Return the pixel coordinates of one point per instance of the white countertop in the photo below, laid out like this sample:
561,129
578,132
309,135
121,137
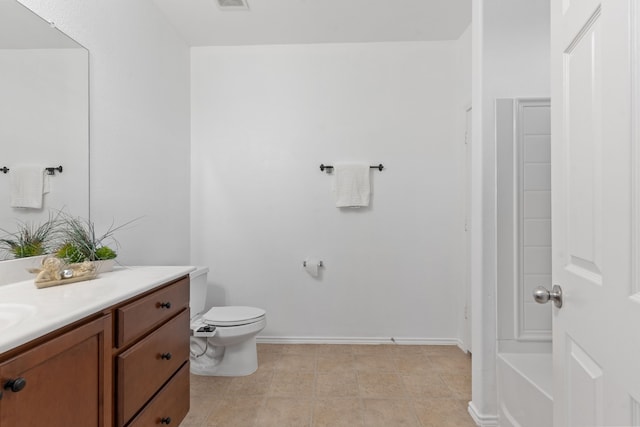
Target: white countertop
59,306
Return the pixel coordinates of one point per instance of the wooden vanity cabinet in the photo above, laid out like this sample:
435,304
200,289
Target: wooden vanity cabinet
62,382
127,365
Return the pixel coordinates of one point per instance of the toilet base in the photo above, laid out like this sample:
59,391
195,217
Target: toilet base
235,360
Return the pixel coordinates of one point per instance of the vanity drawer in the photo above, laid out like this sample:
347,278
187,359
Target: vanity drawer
142,315
146,366
170,405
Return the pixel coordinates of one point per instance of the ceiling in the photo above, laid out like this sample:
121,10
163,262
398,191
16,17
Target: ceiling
204,23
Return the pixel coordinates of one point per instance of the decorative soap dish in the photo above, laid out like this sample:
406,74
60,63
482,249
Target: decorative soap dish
54,272
51,283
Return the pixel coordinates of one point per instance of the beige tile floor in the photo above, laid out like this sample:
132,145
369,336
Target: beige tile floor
339,385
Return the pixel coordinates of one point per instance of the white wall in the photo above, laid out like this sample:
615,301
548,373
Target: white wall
464,83
263,119
511,59
139,127
43,110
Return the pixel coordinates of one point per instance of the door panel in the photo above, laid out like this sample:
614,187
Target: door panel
586,391
596,343
582,116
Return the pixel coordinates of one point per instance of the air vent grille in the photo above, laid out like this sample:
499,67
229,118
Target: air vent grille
233,4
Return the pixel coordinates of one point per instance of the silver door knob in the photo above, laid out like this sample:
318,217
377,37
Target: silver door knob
542,295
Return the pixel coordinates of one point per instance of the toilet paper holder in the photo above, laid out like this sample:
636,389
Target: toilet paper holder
320,264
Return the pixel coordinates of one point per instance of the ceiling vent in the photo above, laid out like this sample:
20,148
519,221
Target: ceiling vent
233,4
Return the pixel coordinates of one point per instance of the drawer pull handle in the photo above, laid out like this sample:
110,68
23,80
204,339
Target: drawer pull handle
15,385
166,305
165,356
165,420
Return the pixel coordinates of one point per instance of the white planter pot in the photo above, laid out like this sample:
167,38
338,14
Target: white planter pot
104,266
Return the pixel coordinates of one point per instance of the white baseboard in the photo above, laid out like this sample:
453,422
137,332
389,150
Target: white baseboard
482,420
357,340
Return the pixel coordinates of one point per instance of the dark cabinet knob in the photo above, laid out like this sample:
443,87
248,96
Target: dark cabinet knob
165,420
166,305
165,356
15,385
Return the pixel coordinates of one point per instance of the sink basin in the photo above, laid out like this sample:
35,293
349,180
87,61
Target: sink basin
11,314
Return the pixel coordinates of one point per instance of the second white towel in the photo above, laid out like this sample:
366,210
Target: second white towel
27,186
351,186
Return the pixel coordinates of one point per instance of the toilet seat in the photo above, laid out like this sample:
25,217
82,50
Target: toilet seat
233,315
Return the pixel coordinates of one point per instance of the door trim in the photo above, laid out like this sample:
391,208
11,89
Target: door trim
635,147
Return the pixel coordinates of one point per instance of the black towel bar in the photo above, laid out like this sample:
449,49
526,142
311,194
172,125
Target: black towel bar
50,171
328,168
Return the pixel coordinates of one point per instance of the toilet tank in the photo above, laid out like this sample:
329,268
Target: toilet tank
198,290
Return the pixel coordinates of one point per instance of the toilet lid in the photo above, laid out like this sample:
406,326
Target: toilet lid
233,315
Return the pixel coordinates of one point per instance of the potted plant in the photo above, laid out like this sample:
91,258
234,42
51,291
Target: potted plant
81,243
30,239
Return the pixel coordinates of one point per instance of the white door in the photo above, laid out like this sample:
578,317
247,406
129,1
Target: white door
596,333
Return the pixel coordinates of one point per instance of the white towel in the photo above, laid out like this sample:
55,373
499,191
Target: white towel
351,185
27,186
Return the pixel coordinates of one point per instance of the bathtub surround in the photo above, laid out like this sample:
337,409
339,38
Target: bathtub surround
524,216
510,60
524,261
263,118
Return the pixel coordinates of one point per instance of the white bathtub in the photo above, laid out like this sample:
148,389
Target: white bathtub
525,389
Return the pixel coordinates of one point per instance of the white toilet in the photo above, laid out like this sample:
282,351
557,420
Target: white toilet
223,341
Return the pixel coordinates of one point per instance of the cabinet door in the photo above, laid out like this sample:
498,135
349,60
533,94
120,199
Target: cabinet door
64,382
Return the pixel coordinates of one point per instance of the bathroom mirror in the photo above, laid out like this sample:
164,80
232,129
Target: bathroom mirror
44,114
